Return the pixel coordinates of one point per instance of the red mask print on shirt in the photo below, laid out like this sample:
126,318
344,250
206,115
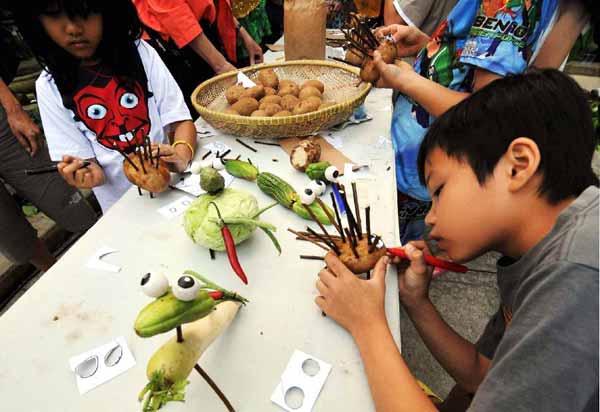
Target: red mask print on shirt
114,113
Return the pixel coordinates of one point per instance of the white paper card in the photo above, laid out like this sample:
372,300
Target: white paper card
335,141
95,262
176,207
294,376
245,80
104,373
216,146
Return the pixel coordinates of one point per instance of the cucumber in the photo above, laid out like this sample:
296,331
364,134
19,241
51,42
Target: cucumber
241,169
316,171
277,188
299,209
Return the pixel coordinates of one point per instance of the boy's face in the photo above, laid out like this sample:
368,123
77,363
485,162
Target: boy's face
466,217
78,36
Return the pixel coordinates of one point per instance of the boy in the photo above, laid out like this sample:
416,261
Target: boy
508,170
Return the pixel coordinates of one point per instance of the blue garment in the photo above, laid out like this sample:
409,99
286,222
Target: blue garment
496,35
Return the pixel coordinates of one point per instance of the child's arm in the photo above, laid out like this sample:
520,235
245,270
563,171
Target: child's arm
358,305
208,52
179,155
433,97
457,356
81,177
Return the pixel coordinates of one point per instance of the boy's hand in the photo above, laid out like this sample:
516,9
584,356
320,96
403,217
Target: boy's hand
413,283
81,177
409,39
352,302
392,76
24,129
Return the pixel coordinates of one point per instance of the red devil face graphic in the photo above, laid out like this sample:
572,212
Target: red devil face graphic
115,114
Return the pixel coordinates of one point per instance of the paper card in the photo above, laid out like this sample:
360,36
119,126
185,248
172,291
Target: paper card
95,262
305,373
205,131
177,207
216,146
104,371
335,140
328,152
245,80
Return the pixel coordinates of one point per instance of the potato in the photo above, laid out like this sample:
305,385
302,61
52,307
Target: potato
270,108
309,91
289,101
315,99
369,72
271,99
305,153
233,93
245,106
230,110
269,91
354,57
154,180
314,83
289,89
283,113
284,83
306,106
257,92
259,113
268,78
388,51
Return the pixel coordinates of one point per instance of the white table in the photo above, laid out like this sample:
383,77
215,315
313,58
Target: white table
93,307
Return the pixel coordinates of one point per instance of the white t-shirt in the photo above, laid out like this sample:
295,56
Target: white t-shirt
103,113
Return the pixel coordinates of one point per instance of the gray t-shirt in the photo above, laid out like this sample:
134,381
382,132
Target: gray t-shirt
427,15
546,358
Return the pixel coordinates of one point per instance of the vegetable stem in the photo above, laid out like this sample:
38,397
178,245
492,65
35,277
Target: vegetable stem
214,387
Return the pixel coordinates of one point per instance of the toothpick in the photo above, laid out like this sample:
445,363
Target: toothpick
157,157
206,154
179,334
307,239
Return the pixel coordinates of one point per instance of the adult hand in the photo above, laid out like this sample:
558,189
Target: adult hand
24,129
413,283
72,170
255,53
352,302
177,158
409,40
225,67
393,75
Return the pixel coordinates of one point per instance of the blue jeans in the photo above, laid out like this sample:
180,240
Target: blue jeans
411,218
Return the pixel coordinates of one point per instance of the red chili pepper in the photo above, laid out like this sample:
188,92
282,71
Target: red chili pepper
230,249
216,295
433,261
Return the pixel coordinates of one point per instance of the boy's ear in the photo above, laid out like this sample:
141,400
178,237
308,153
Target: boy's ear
522,161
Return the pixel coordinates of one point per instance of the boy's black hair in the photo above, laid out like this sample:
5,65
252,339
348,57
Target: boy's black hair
545,105
117,50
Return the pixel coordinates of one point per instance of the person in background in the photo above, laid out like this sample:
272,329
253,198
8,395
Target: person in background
22,147
256,23
427,15
102,91
195,38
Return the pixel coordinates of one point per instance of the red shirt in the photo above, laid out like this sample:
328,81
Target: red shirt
179,20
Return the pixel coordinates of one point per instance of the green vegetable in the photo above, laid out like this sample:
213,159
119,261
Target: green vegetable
316,171
211,180
239,210
277,188
241,169
301,211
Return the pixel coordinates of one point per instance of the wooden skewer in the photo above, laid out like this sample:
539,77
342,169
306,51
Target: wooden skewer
337,216
312,214
179,334
157,156
310,257
206,154
328,242
306,238
215,388
328,213
122,153
352,246
368,214
357,210
349,215
139,154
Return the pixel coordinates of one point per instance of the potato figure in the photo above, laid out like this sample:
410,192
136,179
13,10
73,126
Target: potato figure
270,108
233,93
314,83
354,57
369,72
289,101
268,78
245,106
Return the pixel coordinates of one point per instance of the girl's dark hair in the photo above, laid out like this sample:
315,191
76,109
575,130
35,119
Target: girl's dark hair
545,105
117,50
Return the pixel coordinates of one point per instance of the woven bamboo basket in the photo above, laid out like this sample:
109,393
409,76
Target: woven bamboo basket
341,86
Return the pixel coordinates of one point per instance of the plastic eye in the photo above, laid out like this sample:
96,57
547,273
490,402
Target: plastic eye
217,164
154,284
195,167
186,288
205,163
332,174
318,187
308,196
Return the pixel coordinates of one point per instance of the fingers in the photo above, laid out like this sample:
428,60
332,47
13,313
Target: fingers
335,265
23,141
251,55
320,301
380,269
417,260
32,138
321,287
326,277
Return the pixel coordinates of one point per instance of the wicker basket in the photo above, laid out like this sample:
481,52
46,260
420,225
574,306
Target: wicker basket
341,85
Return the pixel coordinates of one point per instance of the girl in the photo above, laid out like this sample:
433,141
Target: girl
102,86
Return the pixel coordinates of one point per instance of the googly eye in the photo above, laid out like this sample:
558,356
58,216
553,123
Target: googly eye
195,167
318,187
205,163
307,196
96,111
186,288
129,100
217,164
332,174
154,284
